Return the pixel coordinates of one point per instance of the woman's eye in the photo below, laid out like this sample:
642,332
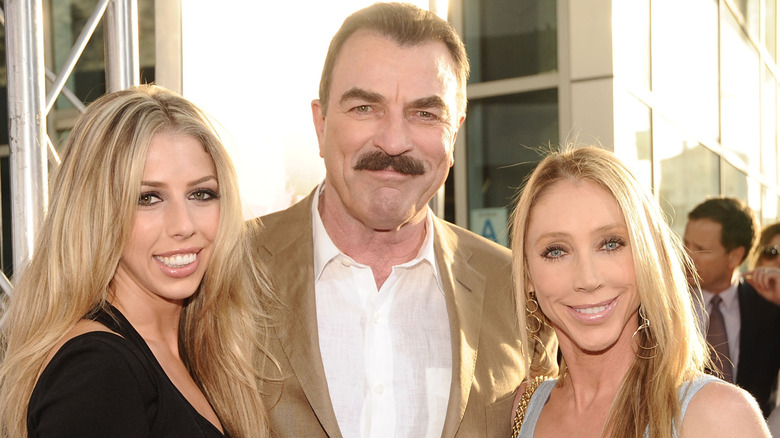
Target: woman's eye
204,195
147,199
553,253
613,244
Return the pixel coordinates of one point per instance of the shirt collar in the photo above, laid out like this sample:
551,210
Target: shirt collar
729,296
325,250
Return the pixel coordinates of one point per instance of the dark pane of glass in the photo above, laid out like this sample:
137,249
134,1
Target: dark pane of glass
510,38
88,80
146,40
504,138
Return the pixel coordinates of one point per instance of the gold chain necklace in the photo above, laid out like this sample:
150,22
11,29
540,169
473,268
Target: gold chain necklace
523,404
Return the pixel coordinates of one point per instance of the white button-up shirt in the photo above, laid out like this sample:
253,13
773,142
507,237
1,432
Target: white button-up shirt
387,353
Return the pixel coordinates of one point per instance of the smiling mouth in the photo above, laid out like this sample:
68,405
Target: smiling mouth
177,261
592,310
595,310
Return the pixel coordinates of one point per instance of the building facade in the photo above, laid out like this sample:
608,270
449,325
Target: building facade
684,91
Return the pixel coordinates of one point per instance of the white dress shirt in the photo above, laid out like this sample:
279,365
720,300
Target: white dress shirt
387,353
729,307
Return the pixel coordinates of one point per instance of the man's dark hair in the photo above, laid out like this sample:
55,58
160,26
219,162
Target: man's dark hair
737,220
407,25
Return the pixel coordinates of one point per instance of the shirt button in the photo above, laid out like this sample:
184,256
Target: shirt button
345,261
379,388
377,318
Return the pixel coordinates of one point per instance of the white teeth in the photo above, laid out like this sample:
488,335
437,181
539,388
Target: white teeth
591,310
177,261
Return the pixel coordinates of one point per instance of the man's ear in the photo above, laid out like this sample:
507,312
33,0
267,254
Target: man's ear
458,124
318,117
736,256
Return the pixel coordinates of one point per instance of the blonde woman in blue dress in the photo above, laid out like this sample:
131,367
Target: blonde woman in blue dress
596,262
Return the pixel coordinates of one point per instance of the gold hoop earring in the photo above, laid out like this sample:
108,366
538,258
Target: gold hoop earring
531,307
644,324
534,325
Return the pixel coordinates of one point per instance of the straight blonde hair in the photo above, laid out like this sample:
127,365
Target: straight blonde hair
673,348
95,193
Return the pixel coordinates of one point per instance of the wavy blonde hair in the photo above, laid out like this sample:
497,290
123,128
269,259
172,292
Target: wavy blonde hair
648,395
95,193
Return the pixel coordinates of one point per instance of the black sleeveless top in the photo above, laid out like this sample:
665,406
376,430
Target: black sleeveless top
103,385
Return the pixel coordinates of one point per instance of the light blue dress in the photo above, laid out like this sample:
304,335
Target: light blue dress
542,394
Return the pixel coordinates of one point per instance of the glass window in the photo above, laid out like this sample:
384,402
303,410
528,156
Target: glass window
504,138
770,209
679,157
748,11
770,27
631,44
737,184
632,136
685,63
734,182
88,80
740,75
510,38
768,124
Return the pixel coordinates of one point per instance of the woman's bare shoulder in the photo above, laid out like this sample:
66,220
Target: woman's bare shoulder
83,326
721,409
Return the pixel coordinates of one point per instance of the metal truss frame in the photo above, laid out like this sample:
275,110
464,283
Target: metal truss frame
31,149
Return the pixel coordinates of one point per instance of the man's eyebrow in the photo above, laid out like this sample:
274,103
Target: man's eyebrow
361,94
429,102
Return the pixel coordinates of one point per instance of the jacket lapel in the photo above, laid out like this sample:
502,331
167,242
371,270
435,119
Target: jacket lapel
464,290
291,262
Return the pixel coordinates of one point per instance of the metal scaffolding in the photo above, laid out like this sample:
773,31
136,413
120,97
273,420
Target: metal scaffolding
29,104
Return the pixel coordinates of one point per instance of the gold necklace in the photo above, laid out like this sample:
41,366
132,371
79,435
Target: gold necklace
523,404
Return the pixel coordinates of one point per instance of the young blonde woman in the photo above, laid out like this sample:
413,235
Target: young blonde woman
138,314
595,261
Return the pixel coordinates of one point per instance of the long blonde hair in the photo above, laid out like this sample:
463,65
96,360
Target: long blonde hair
94,197
648,395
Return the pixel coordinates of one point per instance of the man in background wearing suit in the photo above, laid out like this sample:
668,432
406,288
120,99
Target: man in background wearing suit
719,235
397,322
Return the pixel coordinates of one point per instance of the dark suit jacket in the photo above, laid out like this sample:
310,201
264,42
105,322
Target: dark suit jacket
759,347
487,364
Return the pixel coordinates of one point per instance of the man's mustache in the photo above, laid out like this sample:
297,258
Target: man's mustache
379,160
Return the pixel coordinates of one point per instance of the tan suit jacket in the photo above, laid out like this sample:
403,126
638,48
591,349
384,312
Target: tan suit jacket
487,363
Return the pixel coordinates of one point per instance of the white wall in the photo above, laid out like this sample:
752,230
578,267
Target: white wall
255,67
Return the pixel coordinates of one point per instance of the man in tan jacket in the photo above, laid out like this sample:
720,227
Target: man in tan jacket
397,323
